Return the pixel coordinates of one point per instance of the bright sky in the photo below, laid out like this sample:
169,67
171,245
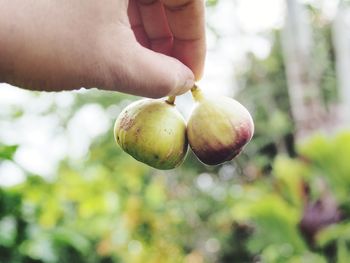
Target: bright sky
240,24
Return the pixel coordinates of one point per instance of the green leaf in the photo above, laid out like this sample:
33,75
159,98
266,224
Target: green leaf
289,174
211,2
330,158
332,233
7,151
275,220
307,257
7,231
65,236
343,254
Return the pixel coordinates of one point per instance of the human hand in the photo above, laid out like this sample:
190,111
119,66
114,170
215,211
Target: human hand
130,46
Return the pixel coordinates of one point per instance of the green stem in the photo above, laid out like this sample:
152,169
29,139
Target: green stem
171,100
197,93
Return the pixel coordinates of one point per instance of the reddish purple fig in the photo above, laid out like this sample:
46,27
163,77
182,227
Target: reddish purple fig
218,128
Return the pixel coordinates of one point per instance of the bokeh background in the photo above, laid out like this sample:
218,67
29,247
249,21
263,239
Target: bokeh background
69,194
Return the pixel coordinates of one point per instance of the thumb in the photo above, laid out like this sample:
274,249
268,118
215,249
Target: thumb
151,74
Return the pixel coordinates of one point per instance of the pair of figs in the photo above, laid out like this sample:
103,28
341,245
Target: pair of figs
155,133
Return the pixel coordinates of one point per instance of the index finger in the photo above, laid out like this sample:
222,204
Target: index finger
186,20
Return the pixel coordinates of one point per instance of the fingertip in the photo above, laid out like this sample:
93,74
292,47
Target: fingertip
198,75
184,84
150,74
192,54
177,80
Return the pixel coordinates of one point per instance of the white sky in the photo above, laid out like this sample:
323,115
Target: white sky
239,23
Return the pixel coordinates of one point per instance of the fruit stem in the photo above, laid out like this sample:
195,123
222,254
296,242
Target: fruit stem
197,93
171,100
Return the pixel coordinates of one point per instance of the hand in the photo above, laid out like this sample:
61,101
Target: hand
150,48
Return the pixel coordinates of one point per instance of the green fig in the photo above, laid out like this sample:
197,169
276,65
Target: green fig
218,128
153,132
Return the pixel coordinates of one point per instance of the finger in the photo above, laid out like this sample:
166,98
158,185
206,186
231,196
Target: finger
150,74
137,24
156,25
187,24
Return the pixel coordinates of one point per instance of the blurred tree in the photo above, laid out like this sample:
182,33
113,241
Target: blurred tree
304,69
342,48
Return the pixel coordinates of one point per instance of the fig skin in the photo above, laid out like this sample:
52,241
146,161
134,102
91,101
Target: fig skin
218,128
153,132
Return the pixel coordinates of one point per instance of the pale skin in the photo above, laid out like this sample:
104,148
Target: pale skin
150,48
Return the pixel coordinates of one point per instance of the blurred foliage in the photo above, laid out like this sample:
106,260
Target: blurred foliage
277,202
7,151
210,3
109,208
